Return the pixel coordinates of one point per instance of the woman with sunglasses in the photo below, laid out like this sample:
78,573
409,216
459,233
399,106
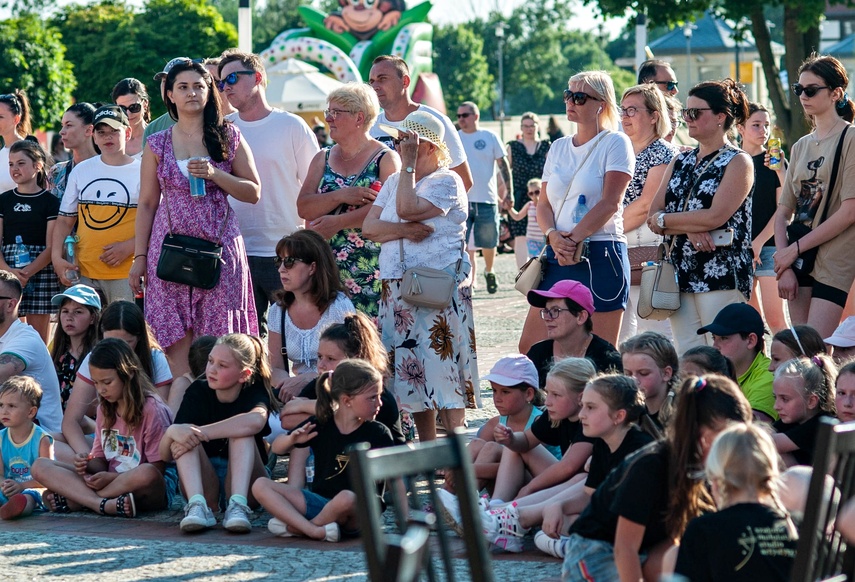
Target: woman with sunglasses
647,122
526,157
597,163
706,192
818,298
131,95
202,145
14,126
341,185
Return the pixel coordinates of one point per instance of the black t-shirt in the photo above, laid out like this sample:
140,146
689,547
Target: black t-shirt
602,354
27,215
389,414
603,460
636,490
331,460
741,543
567,432
803,436
200,406
763,204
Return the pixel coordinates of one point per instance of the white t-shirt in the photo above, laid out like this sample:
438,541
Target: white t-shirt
160,367
283,147
25,343
6,181
613,153
483,148
452,140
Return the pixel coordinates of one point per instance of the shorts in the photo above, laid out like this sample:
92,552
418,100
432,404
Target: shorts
534,246
606,273
110,289
221,469
587,560
766,268
34,493
170,477
315,504
483,223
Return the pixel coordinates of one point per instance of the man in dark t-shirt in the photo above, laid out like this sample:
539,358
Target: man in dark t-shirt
566,309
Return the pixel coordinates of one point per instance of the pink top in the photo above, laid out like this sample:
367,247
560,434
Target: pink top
125,449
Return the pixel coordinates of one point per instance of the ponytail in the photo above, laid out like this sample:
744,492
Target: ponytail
357,337
351,377
20,105
324,408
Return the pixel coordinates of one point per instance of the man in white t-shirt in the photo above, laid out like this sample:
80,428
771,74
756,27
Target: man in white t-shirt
22,352
390,79
283,145
101,199
484,152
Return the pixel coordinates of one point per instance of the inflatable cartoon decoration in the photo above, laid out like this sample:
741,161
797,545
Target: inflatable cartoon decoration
344,43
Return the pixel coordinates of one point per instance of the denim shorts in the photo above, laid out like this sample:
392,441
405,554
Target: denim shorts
587,560
534,246
314,504
221,468
170,477
766,268
605,273
483,223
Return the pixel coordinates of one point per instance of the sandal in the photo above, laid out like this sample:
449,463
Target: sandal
60,503
121,511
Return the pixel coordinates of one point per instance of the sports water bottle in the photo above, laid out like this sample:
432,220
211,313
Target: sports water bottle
70,243
22,254
579,213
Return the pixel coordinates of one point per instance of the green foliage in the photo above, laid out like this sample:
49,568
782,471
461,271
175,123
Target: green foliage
269,20
32,58
459,61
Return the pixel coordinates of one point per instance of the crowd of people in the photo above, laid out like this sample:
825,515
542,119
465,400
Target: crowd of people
336,308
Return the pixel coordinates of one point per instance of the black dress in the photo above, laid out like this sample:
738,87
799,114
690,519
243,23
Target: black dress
525,167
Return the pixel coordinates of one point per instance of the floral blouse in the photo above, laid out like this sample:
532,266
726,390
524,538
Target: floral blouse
725,268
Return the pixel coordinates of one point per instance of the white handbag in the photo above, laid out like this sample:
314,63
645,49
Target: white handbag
531,273
659,293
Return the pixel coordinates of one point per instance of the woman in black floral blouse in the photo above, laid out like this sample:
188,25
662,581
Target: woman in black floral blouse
705,191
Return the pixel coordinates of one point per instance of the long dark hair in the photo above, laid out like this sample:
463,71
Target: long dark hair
115,354
62,342
216,136
126,316
37,155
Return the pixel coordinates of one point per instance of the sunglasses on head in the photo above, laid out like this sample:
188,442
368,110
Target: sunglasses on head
287,262
578,97
692,113
231,79
809,91
669,85
132,108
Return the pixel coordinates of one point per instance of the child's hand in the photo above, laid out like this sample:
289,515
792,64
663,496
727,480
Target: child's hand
553,520
502,434
99,480
81,462
304,434
10,487
178,450
188,435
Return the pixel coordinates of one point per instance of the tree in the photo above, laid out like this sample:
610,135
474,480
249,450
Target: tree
460,64
32,58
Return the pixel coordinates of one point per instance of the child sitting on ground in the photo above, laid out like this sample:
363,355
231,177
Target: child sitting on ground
21,443
650,358
348,401
76,333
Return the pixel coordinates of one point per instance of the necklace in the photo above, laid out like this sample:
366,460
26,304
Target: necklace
191,134
816,139
346,159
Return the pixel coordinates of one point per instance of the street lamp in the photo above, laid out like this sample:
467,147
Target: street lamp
500,35
687,32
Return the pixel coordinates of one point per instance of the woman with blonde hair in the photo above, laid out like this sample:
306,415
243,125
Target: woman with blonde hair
342,182
585,178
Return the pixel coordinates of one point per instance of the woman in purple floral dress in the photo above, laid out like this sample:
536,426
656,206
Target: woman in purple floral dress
341,185
202,145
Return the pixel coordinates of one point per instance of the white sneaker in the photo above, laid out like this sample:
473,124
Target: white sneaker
449,509
503,529
197,516
279,528
332,533
551,546
237,517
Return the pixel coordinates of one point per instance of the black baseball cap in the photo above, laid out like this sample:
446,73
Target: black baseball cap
736,318
112,115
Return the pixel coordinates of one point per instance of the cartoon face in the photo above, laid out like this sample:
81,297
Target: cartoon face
104,203
362,15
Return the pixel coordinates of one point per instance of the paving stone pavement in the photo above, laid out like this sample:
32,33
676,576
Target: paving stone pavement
83,546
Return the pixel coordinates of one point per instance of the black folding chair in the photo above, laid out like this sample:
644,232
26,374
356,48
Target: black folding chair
405,556
822,553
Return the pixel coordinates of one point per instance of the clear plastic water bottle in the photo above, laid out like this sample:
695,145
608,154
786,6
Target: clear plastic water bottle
310,470
581,209
70,243
22,253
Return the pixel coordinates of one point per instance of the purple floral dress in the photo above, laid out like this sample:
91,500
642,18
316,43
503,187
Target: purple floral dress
172,309
357,257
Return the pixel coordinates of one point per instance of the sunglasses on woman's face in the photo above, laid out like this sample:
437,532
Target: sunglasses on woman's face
287,262
692,113
132,108
231,79
578,97
809,91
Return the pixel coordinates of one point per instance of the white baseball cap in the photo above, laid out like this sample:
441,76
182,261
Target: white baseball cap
844,335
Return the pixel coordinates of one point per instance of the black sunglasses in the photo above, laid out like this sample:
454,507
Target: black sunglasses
669,85
810,90
692,113
231,79
132,108
463,115
578,97
287,262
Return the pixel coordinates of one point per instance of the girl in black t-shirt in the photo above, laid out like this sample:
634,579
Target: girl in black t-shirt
217,440
348,401
804,392
650,359
751,537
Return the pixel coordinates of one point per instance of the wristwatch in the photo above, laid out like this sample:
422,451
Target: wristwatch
660,220
410,170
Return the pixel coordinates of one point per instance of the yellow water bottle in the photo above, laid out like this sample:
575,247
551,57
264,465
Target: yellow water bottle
776,159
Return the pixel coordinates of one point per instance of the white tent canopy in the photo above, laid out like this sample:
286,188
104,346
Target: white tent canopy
296,86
